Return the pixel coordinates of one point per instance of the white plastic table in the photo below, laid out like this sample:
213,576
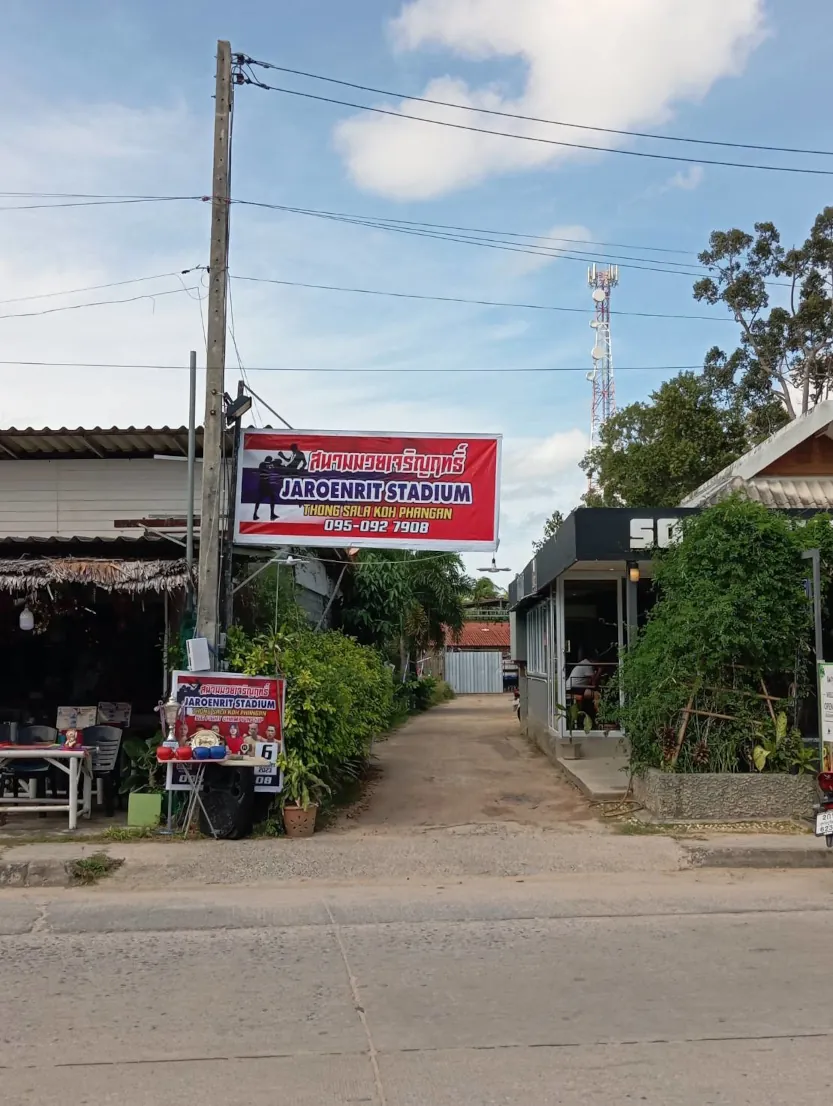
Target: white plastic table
194,771
73,762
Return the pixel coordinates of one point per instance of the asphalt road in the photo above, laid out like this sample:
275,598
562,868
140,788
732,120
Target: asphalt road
671,989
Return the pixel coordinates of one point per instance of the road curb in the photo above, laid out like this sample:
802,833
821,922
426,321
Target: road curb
596,794
35,873
738,856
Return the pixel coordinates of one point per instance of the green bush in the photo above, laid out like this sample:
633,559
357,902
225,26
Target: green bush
732,612
339,694
442,693
419,693
416,694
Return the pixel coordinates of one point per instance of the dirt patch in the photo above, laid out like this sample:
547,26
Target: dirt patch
463,763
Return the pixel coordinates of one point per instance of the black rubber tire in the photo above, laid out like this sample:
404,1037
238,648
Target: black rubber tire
228,797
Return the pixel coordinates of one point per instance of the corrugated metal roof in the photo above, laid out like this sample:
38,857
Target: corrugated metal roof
122,536
97,441
811,492
817,421
480,635
781,491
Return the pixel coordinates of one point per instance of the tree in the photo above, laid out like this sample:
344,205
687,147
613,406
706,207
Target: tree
787,348
652,454
401,602
551,528
483,588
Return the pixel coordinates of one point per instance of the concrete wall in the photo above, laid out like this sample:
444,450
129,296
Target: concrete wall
536,719
724,796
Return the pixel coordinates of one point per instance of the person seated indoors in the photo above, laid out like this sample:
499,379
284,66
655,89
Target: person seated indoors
582,682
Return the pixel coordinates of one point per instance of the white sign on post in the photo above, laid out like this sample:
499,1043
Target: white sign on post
268,776
826,712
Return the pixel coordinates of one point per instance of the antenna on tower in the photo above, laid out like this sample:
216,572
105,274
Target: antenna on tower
603,404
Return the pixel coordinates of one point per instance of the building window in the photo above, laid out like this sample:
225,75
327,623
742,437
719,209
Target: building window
536,640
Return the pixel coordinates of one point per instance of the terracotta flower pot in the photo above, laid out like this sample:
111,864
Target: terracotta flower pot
299,822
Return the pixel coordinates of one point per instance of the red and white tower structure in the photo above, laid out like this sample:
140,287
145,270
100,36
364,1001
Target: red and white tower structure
602,280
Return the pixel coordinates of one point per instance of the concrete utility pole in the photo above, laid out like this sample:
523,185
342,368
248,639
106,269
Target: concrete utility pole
208,588
192,450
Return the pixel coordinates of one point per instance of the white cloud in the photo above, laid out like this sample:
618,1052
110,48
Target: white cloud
540,475
687,179
608,63
534,467
563,238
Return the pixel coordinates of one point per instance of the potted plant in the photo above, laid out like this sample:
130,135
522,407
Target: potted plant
141,785
302,788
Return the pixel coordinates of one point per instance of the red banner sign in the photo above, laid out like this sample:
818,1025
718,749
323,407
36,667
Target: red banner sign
320,488
239,709
246,712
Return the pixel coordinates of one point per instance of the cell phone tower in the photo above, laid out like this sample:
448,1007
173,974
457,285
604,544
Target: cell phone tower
602,280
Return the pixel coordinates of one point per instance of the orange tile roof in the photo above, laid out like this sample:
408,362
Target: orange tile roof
480,635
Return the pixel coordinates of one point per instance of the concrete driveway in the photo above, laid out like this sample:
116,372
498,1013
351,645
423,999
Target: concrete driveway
465,763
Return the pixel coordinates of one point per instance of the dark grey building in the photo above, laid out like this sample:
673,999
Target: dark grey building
574,608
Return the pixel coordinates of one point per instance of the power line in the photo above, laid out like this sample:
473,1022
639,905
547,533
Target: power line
538,138
233,337
96,303
357,369
245,60
118,198
315,287
528,248
461,299
100,196
511,247
381,219
277,414
96,203
198,299
100,287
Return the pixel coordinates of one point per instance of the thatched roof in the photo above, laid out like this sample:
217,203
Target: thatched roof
30,574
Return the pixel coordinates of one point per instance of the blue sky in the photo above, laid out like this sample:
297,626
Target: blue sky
108,97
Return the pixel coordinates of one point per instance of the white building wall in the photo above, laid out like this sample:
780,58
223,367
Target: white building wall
83,499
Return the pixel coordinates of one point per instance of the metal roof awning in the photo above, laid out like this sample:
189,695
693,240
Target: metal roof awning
97,442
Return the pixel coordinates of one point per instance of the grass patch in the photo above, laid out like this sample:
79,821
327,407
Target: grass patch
90,869
104,837
129,833
635,828
269,827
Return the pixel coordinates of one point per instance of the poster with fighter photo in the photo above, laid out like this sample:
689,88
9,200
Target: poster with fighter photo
246,712
380,491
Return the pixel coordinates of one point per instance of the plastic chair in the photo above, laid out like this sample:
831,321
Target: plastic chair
37,770
105,742
8,733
